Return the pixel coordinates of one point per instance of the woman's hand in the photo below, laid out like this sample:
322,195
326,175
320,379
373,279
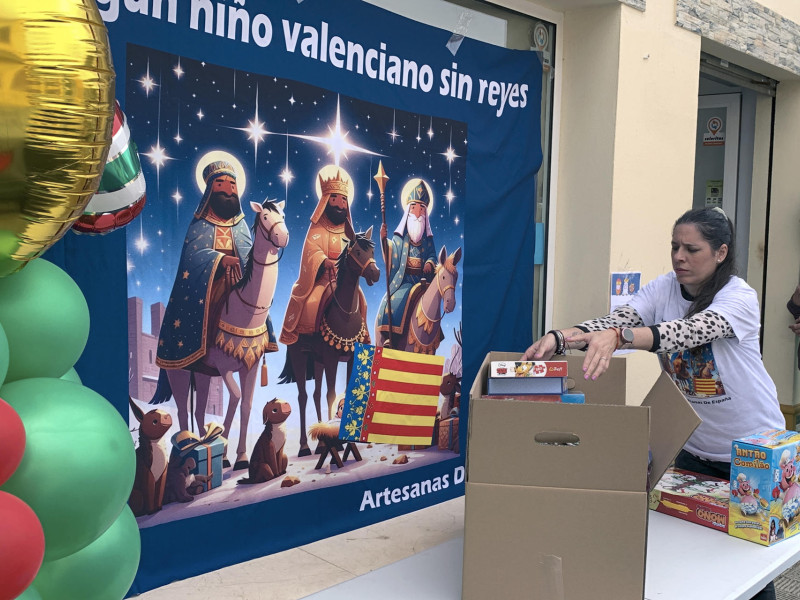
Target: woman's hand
600,345
795,327
542,349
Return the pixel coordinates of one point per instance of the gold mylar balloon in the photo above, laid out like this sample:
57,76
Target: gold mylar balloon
56,114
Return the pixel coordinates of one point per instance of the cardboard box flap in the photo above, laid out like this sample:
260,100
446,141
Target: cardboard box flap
672,421
558,445
607,389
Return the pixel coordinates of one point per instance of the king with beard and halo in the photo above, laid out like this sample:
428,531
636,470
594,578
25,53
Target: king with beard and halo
412,256
330,230
216,245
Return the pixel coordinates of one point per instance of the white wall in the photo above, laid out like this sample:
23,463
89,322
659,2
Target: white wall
784,241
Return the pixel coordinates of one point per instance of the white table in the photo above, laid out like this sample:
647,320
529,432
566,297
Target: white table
684,562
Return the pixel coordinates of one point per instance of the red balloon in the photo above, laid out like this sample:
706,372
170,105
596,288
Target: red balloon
22,546
12,441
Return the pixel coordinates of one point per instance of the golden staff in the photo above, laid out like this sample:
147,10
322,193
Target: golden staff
382,178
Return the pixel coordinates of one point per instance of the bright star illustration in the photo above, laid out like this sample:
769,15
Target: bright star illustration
336,140
178,139
141,244
450,155
178,70
393,133
255,130
148,83
286,175
157,155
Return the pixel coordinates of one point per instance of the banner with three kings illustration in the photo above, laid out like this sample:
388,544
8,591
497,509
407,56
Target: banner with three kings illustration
279,141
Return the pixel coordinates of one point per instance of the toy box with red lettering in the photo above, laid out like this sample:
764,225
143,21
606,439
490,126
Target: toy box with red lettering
701,499
765,494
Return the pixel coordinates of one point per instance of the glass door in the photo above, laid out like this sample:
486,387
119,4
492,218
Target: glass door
717,152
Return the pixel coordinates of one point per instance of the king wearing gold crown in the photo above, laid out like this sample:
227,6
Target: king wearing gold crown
330,230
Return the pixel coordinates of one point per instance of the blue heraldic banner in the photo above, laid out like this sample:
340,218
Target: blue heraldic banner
281,142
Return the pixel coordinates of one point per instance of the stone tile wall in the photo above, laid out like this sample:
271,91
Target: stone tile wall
746,26
638,4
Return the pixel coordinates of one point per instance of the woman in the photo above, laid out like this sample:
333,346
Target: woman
702,317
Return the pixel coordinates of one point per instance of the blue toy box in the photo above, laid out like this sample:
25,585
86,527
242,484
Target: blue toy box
208,456
765,493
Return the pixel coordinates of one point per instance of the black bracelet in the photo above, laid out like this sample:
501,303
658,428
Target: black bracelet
559,340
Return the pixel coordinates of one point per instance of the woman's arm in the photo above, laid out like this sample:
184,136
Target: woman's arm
682,334
600,345
598,337
622,316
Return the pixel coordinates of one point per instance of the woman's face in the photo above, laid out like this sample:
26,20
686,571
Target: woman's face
693,260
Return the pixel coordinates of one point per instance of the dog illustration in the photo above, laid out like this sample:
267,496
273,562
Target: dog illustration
147,494
182,484
269,459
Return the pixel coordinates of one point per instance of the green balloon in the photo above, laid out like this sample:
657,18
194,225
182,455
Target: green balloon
79,463
103,570
46,320
3,355
30,593
71,375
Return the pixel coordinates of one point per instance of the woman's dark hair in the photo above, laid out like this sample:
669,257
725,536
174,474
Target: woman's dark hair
717,229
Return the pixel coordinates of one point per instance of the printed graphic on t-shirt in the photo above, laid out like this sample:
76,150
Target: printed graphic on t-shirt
695,373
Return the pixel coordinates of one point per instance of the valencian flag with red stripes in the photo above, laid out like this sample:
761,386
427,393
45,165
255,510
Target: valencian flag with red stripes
392,396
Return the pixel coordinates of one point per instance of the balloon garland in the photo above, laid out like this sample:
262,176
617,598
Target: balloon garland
67,462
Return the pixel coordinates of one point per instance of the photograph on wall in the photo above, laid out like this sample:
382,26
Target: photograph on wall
256,267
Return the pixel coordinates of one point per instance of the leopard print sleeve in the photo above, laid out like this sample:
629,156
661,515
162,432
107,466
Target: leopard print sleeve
622,316
681,334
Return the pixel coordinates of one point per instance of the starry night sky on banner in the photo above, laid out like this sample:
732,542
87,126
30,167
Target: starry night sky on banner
181,109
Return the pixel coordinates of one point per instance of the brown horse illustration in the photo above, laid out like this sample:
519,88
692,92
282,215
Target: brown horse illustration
428,303
240,337
341,325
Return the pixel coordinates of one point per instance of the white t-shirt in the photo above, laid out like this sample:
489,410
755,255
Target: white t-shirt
725,381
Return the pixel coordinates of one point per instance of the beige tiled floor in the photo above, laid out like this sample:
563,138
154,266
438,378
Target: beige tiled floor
301,571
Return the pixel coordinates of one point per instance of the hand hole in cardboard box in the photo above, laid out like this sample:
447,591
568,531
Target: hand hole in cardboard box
556,438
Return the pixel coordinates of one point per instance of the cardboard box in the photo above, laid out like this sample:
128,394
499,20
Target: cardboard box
765,494
692,497
556,494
